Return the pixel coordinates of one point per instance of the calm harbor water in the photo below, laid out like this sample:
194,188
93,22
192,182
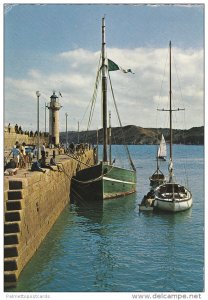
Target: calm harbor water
115,248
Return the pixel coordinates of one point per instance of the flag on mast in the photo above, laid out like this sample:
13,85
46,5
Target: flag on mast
114,67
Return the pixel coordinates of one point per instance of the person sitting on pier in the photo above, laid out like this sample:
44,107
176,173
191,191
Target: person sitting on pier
43,163
10,168
36,166
53,161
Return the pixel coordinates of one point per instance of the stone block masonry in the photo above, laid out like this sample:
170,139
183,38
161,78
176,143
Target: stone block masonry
11,138
32,205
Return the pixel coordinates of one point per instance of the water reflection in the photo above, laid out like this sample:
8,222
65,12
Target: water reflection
104,219
171,236
166,215
104,211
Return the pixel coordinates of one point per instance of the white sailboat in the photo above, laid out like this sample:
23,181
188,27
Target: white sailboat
162,152
172,196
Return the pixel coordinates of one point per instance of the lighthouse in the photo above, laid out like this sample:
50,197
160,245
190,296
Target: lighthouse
54,107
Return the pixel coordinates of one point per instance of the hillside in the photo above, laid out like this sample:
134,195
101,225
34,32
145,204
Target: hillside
139,136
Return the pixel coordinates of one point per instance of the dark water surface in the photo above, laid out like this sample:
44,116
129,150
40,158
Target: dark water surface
116,248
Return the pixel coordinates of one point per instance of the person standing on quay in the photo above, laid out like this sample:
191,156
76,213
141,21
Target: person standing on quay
9,128
22,156
16,128
43,151
16,155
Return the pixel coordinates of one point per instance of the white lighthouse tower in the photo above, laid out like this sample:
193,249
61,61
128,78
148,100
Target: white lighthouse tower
54,107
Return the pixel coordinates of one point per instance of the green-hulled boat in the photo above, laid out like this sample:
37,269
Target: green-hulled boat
105,180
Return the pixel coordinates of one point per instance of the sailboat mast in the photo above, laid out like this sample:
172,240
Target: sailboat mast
104,93
109,136
97,146
170,94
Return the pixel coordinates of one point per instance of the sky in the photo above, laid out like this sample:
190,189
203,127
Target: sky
56,47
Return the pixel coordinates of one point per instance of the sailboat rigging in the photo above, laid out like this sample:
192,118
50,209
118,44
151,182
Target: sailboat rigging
105,180
172,196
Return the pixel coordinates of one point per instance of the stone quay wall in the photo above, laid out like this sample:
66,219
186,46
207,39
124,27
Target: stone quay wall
11,138
33,201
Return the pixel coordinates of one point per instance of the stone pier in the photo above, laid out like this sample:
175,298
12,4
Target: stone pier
32,203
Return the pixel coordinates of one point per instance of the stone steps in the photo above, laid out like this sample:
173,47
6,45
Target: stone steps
12,225
14,194
10,251
10,264
13,215
11,238
15,185
13,205
10,278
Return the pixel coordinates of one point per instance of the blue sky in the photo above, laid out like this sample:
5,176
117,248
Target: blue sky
56,47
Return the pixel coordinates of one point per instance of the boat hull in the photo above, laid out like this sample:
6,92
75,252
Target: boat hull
103,182
172,201
157,179
172,206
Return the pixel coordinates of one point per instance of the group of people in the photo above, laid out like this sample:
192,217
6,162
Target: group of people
18,130
19,159
41,164
22,159
19,155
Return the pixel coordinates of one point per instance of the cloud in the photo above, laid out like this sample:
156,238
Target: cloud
137,96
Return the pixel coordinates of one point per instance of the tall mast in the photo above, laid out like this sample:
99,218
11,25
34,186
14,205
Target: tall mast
97,146
170,112
109,136
104,93
170,95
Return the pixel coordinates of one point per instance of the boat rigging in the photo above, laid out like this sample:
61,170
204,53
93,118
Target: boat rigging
172,196
105,180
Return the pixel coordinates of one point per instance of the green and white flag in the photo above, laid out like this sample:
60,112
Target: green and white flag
114,67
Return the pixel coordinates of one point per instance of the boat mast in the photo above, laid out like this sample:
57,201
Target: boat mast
109,136
170,95
104,93
97,146
157,160
170,112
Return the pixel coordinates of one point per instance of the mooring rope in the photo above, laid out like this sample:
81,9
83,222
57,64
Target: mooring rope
75,158
94,180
